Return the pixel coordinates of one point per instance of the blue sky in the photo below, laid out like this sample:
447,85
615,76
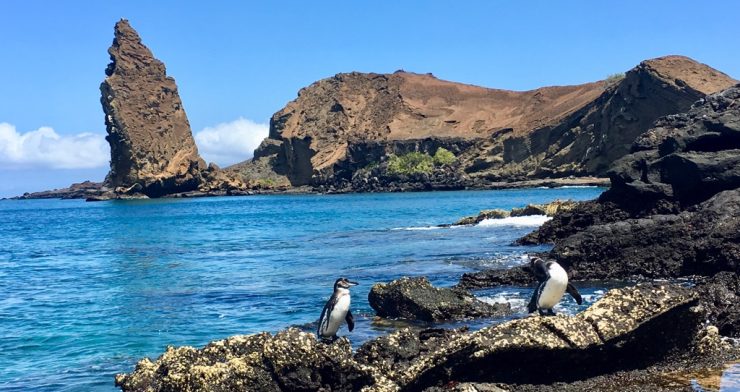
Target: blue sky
236,63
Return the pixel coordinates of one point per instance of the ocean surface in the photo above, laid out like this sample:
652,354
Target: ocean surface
87,289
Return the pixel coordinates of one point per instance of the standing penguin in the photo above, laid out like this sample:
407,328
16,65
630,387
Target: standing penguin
336,310
552,284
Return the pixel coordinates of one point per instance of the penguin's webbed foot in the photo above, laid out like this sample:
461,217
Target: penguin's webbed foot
546,312
328,339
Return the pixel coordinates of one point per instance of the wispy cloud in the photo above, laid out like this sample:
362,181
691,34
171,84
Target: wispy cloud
231,142
46,148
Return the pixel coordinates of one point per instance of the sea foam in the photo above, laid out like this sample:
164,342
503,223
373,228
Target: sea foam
531,220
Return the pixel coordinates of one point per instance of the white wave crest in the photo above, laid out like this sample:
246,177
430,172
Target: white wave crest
418,228
517,302
531,220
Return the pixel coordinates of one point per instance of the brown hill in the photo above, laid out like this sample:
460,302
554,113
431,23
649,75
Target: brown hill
340,125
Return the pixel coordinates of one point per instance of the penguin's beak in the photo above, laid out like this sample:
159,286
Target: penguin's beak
351,283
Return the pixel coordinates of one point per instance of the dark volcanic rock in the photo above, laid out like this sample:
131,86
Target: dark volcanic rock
289,361
685,158
516,276
629,328
674,205
720,294
483,215
396,352
148,130
79,190
417,299
700,241
568,222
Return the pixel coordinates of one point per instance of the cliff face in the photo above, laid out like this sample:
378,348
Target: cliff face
673,208
590,139
342,124
152,147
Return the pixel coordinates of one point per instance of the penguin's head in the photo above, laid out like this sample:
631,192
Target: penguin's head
344,283
539,268
535,262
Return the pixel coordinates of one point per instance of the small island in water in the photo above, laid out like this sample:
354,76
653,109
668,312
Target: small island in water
631,184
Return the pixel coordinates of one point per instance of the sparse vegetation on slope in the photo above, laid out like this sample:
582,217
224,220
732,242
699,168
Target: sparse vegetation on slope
419,162
444,157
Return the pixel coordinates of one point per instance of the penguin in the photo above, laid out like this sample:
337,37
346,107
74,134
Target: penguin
336,310
552,283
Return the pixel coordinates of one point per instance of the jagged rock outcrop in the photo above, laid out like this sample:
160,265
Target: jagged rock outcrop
628,328
702,240
684,159
153,152
673,208
148,131
341,125
416,299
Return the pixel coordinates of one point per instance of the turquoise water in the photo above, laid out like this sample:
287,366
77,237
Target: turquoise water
87,289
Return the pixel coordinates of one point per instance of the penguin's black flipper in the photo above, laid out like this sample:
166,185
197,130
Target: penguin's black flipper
323,319
350,321
532,306
574,293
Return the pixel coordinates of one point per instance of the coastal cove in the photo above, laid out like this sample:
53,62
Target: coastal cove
89,288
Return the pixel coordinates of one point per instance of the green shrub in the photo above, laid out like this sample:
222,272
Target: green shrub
371,166
265,183
614,78
411,163
444,157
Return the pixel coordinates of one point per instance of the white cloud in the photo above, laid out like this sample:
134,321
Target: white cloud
46,148
231,142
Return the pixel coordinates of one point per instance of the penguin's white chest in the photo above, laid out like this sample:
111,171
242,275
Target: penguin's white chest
337,315
554,287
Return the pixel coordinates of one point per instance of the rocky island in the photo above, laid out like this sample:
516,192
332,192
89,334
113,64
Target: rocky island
365,132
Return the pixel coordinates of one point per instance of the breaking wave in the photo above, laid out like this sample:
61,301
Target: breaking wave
531,220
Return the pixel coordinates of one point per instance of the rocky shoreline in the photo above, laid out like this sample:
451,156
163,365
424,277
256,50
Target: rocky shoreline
672,211
98,191
673,208
628,329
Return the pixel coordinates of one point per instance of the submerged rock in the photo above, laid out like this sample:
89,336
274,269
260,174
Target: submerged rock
549,209
483,215
515,276
417,299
